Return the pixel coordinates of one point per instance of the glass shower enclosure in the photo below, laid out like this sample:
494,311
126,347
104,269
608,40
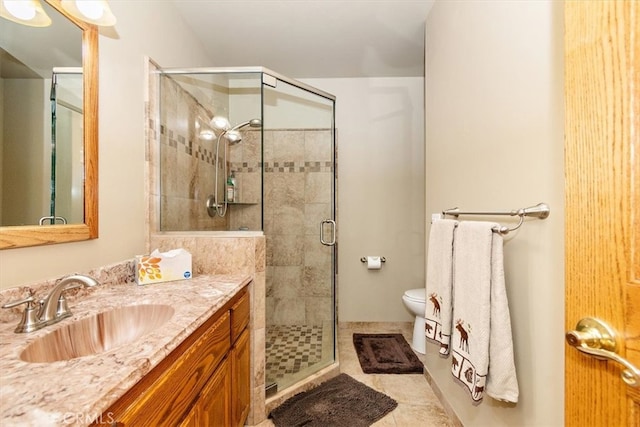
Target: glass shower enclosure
250,149
67,162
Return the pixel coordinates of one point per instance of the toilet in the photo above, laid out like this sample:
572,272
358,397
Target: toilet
416,302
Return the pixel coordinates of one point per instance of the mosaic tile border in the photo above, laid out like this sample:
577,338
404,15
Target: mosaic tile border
282,167
180,142
208,156
298,167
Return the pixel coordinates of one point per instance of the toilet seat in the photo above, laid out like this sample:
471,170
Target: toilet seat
417,295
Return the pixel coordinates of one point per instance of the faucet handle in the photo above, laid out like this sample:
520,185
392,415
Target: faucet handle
29,321
62,309
28,300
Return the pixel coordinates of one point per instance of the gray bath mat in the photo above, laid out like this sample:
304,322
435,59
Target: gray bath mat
386,354
339,402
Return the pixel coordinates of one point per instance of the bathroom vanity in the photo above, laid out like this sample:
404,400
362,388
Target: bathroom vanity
203,382
192,370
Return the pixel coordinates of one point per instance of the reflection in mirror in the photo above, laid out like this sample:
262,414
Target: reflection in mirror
48,131
35,126
67,200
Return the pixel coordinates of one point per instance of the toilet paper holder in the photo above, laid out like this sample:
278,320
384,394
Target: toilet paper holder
364,259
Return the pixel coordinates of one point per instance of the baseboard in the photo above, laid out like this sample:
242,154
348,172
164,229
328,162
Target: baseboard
442,398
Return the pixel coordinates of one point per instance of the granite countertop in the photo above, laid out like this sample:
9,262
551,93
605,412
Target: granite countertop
76,391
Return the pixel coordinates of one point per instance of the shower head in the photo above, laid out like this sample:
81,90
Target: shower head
254,123
233,136
221,123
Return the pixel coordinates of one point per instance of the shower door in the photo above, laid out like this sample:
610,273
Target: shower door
298,223
67,162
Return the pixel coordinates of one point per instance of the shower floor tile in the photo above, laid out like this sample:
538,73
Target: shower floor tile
290,349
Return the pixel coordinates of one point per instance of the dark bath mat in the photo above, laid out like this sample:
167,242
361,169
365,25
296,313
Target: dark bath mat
386,354
339,402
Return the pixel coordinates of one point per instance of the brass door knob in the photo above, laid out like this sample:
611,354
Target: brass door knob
596,338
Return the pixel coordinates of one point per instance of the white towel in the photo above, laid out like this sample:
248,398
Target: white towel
439,283
482,342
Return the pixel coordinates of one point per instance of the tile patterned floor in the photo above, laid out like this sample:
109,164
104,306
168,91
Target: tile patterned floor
291,349
417,404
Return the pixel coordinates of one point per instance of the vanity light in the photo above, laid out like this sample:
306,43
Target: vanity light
207,135
95,12
25,12
220,123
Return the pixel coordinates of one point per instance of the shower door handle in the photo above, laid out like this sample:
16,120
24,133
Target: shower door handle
333,232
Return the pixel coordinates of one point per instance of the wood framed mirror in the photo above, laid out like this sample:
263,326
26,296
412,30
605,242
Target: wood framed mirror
16,236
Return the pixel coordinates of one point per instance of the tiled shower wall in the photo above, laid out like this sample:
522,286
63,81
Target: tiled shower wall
245,161
187,163
298,178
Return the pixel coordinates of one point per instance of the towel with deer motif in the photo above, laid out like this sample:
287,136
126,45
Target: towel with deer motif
439,283
482,347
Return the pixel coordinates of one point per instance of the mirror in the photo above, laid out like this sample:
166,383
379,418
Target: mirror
31,49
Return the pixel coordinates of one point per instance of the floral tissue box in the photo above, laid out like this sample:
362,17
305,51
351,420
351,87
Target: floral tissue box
163,266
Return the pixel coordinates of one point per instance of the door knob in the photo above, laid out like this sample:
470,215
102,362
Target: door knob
596,338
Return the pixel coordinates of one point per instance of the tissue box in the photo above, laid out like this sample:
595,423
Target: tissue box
163,267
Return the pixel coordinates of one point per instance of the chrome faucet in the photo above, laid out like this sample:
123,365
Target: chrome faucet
53,308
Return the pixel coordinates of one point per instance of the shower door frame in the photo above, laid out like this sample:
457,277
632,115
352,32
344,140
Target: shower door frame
271,79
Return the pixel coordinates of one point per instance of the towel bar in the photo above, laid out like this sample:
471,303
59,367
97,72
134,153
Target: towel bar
540,211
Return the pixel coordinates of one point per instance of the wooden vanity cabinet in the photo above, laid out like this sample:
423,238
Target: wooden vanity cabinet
205,381
240,381
240,362
213,406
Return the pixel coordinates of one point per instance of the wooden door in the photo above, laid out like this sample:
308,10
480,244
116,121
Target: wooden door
602,169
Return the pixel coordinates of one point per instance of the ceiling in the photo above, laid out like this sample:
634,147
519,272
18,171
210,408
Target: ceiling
313,38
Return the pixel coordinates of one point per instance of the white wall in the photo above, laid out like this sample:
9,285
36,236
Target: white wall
121,178
494,140
27,159
380,138
286,106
